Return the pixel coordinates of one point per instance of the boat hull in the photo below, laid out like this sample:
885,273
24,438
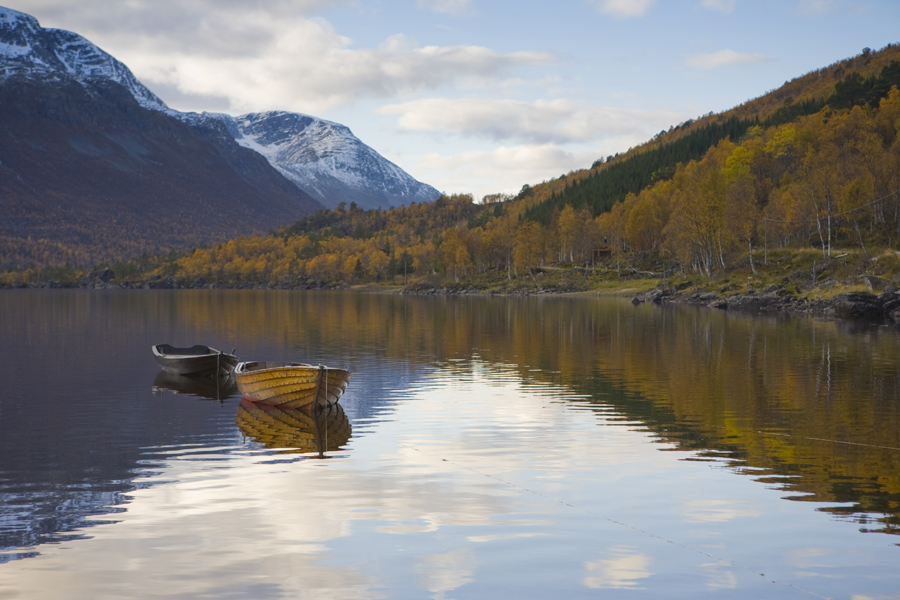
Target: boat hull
196,361
291,385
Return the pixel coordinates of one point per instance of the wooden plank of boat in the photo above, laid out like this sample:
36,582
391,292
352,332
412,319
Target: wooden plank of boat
291,384
196,361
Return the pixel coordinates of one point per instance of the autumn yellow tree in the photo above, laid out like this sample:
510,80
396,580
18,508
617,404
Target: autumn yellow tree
456,252
742,210
567,232
611,227
501,233
588,235
647,218
528,246
697,226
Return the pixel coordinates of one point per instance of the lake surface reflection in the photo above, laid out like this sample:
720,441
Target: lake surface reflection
486,447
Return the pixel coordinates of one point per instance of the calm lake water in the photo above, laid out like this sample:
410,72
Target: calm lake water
486,448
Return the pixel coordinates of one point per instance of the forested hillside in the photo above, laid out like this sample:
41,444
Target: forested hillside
812,166
611,179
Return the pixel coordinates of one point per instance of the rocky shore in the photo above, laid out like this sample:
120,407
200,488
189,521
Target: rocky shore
882,308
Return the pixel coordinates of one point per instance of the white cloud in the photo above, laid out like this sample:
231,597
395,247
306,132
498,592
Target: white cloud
725,7
500,170
624,8
311,68
527,158
544,139
723,58
538,122
266,55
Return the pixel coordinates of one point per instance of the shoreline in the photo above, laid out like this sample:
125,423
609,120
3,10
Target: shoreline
877,309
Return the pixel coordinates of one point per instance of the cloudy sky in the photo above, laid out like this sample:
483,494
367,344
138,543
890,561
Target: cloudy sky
476,96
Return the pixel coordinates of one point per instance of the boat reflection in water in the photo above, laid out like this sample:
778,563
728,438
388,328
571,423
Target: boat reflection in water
314,428
212,388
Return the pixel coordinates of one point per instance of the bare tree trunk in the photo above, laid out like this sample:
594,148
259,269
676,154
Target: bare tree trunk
819,229
859,235
721,252
750,252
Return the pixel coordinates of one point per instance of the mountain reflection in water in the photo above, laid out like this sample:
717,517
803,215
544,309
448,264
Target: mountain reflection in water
809,408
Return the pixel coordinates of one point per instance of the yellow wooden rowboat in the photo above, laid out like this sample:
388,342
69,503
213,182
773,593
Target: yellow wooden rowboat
291,384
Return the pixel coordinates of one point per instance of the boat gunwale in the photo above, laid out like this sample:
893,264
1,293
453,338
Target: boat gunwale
272,366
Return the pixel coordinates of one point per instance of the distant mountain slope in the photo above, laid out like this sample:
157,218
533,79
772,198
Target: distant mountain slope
94,167
326,160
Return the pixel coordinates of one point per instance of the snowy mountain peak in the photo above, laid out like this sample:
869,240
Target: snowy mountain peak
326,160
28,49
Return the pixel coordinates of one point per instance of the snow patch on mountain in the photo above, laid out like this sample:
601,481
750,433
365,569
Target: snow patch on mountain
28,49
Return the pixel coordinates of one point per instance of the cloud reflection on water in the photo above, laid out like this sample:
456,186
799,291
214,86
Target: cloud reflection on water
623,571
713,511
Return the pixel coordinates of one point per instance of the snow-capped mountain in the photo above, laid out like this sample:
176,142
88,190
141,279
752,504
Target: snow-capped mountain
322,158
326,160
26,48
94,167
